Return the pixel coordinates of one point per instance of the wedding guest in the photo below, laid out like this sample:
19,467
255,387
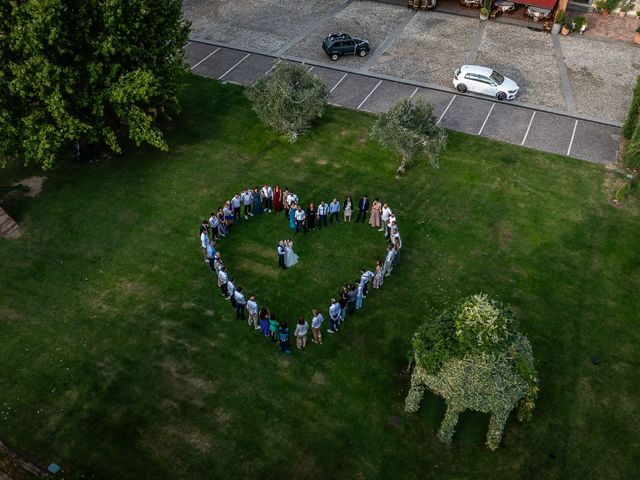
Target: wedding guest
264,322
384,217
397,245
204,243
223,278
347,208
316,325
222,226
204,226
352,296
264,198
218,263
334,210
277,198
211,255
252,308
235,205
213,222
334,316
247,200
378,278
311,217
301,333
365,277
228,213
241,303
270,197
359,297
323,210
257,204
285,201
391,222
363,208
388,263
300,217
281,252
231,291
293,208
343,300
273,327
283,337
376,214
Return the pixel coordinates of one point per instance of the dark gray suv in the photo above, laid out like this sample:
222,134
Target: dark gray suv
338,44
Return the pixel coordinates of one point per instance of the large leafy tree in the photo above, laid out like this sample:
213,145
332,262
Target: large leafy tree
410,130
84,73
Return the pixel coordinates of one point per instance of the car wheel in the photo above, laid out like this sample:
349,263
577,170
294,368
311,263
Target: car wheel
334,56
462,87
362,53
501,96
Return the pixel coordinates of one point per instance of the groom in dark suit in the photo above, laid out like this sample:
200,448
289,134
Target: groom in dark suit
363,207
281,255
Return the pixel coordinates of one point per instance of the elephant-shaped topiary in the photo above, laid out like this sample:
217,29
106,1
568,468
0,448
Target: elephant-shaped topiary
474,357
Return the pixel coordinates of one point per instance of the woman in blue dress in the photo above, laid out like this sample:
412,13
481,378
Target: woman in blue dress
292,216
257,203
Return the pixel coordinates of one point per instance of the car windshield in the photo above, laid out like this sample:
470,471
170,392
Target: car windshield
496,77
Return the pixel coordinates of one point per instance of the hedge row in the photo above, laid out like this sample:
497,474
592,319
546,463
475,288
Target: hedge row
631,130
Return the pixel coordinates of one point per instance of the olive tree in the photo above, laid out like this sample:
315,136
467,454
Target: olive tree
410,130
288,99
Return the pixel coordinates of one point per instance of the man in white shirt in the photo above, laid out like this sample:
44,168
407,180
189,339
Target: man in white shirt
388,263
240,302
365,278
213,221
247,198
384,216
231,290
323,210
269,198
204,243
300,220
252,307
223,278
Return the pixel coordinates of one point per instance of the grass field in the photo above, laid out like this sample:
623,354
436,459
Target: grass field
119,357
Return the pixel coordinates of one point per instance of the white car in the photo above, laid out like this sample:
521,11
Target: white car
474,78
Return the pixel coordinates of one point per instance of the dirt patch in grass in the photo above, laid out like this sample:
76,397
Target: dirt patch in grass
193,437
9,314
318,378
223,417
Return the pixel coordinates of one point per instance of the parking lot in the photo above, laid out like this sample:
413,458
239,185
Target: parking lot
537,129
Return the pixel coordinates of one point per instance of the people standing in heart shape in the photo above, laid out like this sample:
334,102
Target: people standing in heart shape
265,199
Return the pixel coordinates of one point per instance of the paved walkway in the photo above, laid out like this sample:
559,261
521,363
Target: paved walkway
531,127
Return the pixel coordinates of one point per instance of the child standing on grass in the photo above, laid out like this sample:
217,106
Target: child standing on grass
283,337
301,333
316,325
273,328
378,278
264,322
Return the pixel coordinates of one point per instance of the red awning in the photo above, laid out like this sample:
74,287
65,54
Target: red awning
548,4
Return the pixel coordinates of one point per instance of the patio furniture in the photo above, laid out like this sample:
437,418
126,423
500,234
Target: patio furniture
505,6
537,13
471,3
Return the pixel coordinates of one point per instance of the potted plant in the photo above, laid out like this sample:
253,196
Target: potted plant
598,5
580,24
609,6
636,37
625,7
557,22
485,10
566,28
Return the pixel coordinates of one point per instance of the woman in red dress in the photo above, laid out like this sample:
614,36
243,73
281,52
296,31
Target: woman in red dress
277,198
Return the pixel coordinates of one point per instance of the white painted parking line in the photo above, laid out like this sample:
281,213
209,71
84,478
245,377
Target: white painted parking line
243,59
339,82
526,134
187,44
414,92
272,67
485,120
445,110
367,97
310,68
572,137
205,58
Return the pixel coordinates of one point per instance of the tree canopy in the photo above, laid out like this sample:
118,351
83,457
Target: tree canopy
410,130
288,99
77,73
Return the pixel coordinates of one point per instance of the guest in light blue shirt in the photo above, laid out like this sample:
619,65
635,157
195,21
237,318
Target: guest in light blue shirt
334,210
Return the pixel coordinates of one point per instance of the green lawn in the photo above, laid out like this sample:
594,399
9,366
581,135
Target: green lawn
119,357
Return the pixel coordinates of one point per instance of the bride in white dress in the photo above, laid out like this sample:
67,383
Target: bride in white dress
290,258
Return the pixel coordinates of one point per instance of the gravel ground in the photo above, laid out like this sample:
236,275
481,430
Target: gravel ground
528,58
429,49
370,20
265,25
602,75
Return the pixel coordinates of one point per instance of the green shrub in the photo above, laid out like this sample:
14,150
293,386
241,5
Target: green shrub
289,99
623,192
559,17
632,155
634,111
